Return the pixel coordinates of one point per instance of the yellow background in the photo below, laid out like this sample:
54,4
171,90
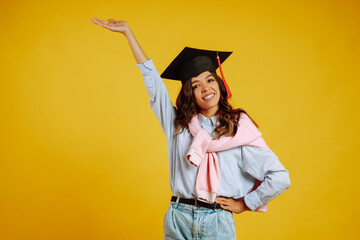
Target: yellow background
83,156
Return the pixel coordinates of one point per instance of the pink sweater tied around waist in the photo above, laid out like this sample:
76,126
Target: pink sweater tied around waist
202,153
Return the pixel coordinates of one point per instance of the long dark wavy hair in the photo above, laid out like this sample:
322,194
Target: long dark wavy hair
186,108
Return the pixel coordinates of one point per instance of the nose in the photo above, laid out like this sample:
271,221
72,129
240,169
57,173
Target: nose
205,88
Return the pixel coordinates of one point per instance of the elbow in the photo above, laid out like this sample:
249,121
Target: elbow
283,181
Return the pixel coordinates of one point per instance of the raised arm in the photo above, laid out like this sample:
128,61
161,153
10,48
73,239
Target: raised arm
123,27
159,98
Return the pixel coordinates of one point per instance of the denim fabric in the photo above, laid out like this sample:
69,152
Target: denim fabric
183,221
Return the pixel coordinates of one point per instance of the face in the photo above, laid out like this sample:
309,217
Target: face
206,93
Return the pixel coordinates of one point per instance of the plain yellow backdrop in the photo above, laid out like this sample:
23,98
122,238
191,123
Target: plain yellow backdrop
83,156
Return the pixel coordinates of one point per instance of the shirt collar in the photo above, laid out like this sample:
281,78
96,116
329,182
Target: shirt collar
203,119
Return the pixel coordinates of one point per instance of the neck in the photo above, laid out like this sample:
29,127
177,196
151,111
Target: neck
209,112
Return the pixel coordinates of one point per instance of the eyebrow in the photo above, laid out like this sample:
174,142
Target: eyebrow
210,75
195,81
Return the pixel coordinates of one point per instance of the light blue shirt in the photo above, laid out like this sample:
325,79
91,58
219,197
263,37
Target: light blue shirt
239,167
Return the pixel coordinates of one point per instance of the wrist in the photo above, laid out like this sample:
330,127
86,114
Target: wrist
128,33
244,204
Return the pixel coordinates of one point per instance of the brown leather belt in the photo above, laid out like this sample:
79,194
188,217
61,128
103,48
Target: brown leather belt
196,203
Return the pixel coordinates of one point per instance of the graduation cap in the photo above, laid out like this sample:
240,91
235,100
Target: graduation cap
192,61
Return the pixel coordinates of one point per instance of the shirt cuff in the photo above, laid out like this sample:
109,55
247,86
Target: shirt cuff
146,66
252,201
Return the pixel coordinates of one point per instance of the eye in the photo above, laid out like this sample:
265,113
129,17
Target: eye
211,80
195,86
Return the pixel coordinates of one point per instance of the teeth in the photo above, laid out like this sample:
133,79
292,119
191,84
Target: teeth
209,96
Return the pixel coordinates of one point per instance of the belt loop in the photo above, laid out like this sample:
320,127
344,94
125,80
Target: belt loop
177,202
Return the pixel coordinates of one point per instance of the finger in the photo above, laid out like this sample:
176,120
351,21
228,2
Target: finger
112,20
221,200
223,203
99,22
103,24
225,207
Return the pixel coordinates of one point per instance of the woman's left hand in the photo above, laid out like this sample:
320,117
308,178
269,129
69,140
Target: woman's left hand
233,205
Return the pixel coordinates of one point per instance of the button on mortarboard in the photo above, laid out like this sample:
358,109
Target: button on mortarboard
191,62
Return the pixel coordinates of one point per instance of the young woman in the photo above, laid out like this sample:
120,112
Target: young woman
219,164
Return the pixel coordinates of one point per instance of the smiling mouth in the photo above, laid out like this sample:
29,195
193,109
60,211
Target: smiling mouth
209,96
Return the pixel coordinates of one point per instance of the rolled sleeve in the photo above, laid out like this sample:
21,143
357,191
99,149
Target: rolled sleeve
253,201
147,68
265,166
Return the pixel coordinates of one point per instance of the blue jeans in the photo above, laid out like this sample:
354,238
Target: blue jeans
183,221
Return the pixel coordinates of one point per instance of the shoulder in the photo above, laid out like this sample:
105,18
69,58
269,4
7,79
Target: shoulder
245,122
245,119
244,115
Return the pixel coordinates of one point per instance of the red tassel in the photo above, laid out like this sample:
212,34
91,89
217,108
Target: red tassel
223,78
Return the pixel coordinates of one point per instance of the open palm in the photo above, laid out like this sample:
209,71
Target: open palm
113,25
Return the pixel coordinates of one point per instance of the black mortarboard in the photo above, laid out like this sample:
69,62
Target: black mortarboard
192,61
